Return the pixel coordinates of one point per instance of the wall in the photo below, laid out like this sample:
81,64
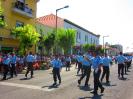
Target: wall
82,34
11,17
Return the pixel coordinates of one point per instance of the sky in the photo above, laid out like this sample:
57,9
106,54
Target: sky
112,18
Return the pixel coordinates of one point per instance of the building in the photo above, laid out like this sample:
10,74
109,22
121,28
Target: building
43,30
83,36
119,47
114,50
16,13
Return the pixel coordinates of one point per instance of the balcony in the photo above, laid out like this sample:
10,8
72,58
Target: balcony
22,9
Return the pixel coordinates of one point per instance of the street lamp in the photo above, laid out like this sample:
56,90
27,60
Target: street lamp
104,44
57,16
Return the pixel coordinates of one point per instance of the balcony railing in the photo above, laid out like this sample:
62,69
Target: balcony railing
23,9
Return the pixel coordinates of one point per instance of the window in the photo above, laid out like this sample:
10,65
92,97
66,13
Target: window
94,42
91,40
23,1
18,24
86,38
78,36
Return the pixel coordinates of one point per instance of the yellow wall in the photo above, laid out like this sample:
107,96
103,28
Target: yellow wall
11,18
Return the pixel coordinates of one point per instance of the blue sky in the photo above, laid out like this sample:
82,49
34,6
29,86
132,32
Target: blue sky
104,17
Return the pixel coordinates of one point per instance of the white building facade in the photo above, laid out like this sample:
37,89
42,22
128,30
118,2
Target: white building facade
83,36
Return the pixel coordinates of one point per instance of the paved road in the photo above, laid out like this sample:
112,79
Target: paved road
40,87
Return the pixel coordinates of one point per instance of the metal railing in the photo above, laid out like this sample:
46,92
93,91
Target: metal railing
22,8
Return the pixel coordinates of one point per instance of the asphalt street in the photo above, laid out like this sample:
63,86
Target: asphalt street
40,87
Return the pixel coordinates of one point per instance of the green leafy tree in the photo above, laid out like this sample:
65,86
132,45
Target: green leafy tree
92,47
86,47
49,41
100,49
2,21
66,39
27,36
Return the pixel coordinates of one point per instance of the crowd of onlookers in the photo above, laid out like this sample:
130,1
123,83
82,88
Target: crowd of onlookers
21,63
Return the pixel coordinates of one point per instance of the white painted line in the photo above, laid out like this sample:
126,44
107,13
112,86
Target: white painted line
26,86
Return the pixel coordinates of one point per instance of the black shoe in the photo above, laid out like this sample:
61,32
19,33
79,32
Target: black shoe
54,84
79,82
107,82
126,74
122,77
11,76
102,89
94,92
3,79
59,82
86,85
26,76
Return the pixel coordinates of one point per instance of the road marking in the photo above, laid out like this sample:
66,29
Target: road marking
27,86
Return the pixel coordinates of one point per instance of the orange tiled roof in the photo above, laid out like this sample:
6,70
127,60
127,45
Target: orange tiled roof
50,20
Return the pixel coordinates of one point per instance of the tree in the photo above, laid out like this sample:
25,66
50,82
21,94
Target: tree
66,39
100,49
92,47
48,41
27,36
2,21
86,47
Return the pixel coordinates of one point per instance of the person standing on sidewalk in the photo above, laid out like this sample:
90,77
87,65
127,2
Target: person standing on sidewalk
30,59
121,60
56,63
97,63
87,70
106,71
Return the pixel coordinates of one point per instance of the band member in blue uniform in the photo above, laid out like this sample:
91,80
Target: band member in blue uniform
13,65
97,63
80,59
86,63
106,71
30,59
121,62
68,63
56,63
6,63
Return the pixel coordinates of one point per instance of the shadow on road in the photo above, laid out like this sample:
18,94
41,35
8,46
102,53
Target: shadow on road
85,88
109,84
124,79
25,78
51,86
93,97
79,75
